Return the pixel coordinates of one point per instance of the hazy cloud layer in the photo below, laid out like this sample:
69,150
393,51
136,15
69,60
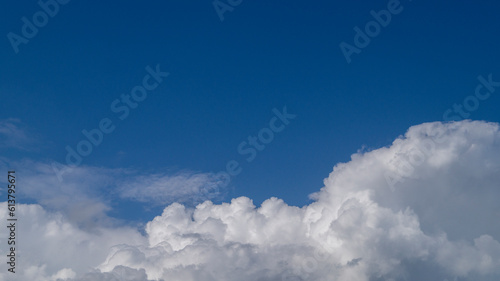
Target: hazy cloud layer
86,193
424,208
162,189
14,135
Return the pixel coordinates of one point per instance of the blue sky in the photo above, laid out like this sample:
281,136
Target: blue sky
226,80
227,76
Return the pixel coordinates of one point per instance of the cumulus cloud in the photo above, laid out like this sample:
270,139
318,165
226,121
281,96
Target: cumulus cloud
49,247
423,208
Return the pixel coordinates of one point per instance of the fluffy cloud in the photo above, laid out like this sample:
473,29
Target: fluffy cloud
424,208
49,247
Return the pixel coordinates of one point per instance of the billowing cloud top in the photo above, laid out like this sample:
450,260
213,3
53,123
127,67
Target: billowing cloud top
424,208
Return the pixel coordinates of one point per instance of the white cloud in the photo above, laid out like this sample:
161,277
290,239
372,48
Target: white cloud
438,221
49,247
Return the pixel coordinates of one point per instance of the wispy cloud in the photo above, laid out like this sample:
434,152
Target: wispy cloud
162,189
13,134
87,193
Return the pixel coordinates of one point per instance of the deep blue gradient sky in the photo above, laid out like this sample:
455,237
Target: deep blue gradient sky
227,76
